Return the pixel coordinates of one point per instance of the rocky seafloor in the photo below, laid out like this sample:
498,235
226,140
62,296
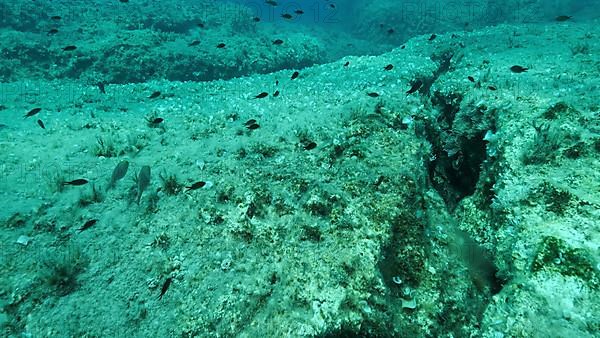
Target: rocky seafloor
342,206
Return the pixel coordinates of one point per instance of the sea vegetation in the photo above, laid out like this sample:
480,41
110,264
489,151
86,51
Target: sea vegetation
556,110
59,270
152,200
544,146
162,241
94,196
580,48
105,147
263,149
55,180
17,220
170,185
555,254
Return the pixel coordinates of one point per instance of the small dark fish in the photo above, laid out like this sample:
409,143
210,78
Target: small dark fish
143,181
403,46
432,37
200,24
391,31
194,43
196,185
491,88
33,112
77,182
41,124
155,122
562,18
373,94
124,1
332,5
299,12
286,16
101,87
165,287
69,48
56,17
276,93
253,126
250,122
518,69
256,19
295,75
221,45
87,225
271,2
415,87
347,64
278,42
277,82
52,31
118,173
472,79
154,95
389,67
261,95
310,145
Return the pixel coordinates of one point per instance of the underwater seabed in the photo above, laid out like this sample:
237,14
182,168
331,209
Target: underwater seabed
342,207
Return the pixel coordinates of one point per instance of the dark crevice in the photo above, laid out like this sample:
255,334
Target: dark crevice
455,162
444,65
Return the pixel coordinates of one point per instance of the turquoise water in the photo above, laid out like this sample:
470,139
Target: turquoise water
299,169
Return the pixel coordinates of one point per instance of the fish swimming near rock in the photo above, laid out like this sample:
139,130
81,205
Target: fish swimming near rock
563,18
143,181
518,69
154,95
118,173
165,287
196,185
77,182
154,122
414,87
32,112
87,225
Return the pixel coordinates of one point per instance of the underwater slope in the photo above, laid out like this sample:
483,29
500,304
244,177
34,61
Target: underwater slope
140,41
343,206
